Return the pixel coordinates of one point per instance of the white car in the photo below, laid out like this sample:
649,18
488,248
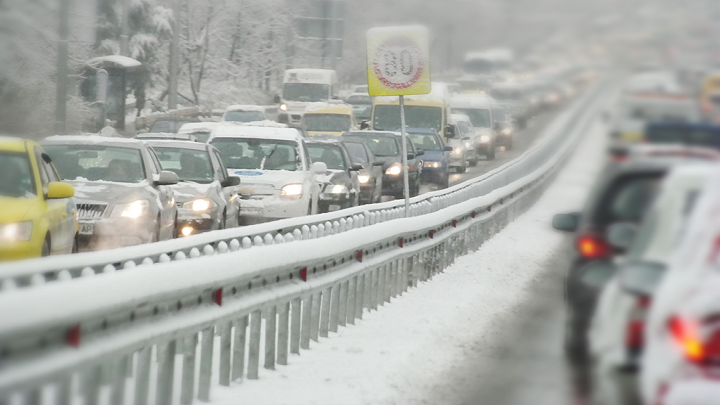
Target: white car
681,364
478,108
464,143
277,177
616,331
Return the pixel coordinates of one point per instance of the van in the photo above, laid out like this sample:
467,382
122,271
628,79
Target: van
302,87
479,110
329,119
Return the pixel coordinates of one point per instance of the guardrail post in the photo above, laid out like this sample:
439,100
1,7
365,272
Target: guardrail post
187,384
395,270
142,379
63,395
382,279
374,275
295,326
91,385
325,313
315,316
334,307
283,333
352,286
270,331
342,305
117,394
306,321
359,295
207,340
389,270
225,353
238,358
254,349
166,368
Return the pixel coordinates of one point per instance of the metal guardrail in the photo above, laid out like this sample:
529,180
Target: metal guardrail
62,268
93,337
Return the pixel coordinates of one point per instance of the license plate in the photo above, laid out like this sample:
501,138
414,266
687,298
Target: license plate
334,207
87,229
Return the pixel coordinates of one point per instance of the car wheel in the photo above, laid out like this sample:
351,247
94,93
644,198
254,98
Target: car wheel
46,247
461,169
490,154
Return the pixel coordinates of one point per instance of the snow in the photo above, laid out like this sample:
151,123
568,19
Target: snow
120,60
93,139
264,132
401,354
246,107
472,101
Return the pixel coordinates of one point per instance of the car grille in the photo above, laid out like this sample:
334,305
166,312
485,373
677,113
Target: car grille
91,211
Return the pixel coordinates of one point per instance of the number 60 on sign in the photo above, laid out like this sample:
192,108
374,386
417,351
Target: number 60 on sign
398,61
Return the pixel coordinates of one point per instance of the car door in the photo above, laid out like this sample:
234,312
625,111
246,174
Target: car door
353,174
228,193
59,213
415,164
168,210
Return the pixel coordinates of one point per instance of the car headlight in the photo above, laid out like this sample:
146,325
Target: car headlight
336,189
202,204
458,150
433,165
283,107
394,170
506,131
468,145
135,209
291,191
363,178
485,138
16,232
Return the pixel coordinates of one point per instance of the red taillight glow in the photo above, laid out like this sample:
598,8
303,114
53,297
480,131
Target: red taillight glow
635,332
685,334
593,247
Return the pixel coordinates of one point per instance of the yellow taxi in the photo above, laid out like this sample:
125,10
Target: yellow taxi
329,119
38,216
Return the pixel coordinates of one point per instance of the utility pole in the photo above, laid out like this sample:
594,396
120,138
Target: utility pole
174,57
331,37
124,35
62,69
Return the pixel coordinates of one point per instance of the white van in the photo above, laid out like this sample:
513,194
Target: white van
301,87
479,109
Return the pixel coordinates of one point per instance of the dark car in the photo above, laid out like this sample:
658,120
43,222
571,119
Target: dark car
621,195
371,175
436,156
503,126
387,147
206,196
683,133
341,188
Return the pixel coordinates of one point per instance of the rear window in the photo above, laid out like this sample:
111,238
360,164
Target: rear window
627,198
686,136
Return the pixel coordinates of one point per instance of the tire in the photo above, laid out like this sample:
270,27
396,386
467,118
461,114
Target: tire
490,153
473,162
461,169
46,247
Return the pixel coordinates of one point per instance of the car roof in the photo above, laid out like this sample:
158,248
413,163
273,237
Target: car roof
95,139
327,141
344,109
248,131
163,135
369,133
246,107
14,144
178,144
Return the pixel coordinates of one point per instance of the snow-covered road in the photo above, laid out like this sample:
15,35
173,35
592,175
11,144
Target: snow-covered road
486,331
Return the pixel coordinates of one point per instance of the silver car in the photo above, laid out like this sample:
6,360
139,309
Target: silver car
206,196
123,196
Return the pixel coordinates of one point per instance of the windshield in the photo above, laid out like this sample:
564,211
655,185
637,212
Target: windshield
479,117
687,136
331,155
98,162
308,92
244,116
382,145
17,178
189,165
627,199
506,94
359,99
426,141
262,154
479,67
326,122
357,152
387,117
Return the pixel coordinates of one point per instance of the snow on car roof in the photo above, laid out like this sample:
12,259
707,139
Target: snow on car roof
459,117
171,143
246,107
163,135
95,139
195,127
250,131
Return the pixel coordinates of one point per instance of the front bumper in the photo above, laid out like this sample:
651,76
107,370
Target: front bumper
200,222
110,233
20,250
334,202
271,208
458,160
437,175
393,185
504,139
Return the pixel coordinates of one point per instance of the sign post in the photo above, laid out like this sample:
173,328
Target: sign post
398,64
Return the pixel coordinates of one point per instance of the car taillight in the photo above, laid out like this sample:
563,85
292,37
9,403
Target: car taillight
685,334
593,247
635,333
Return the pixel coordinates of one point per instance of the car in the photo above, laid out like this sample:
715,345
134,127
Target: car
169,125
683,133
467,139
479,111
328,119
278,179
371,175
359,88
621,194
361,104
206,196
503,126
617,328
38,216
387,148
122,193
200,130
436,156
515,98
341,188
166,136
244,113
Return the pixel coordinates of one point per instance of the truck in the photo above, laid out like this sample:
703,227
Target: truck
491,64
301,88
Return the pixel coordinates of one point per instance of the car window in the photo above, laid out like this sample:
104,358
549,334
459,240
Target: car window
190,165
44,179
244,116
327,122
464,127
426,141
222,171
261,154
410,146
383,146
331,155
156,165
98,162
18,179
357,152
627,198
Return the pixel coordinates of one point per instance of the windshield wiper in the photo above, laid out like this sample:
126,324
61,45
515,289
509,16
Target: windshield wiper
262,163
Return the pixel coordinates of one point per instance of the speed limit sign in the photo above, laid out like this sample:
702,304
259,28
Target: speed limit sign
398,61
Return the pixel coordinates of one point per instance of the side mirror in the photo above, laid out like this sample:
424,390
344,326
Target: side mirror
364,124
356,167
318,168
597,273
450,131
641,278
57,190
166,178
420,152
231,181
276,99
566,222
410,156
448,149
621,234
466,138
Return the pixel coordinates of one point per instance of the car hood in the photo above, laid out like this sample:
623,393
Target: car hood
273,178
14,209
187,190
433,155
387,161
111,192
